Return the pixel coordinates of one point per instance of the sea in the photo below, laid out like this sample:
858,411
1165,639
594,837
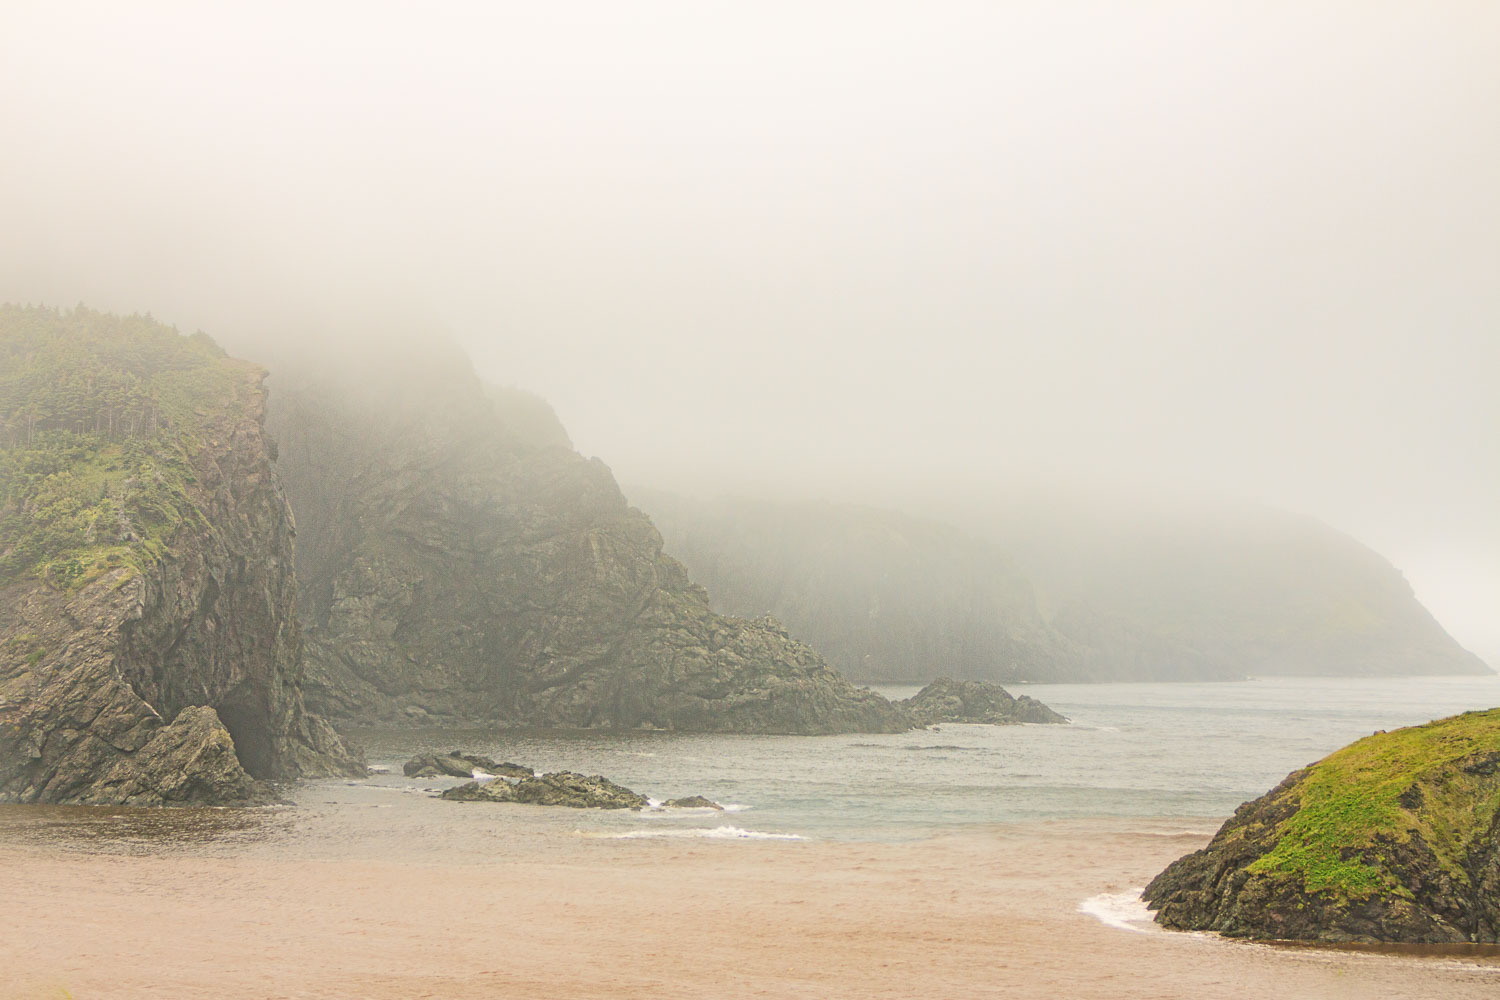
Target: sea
1193,751
962,860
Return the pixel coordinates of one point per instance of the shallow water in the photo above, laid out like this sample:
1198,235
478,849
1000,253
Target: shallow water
1193,751
961,861
1189,750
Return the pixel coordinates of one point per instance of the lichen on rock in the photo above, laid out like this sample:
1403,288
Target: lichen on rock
1394,838
147,605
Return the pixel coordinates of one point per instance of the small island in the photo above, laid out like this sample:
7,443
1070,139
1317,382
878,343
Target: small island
1394,838
981,702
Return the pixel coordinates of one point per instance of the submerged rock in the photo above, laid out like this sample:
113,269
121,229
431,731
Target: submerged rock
693,802
1394,838
149,648
557,788
948,700
460,765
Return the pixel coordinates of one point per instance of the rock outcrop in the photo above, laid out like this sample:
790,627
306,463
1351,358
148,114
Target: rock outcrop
556,788
460,765
1395,838
948,700
149,649
453,569
693,802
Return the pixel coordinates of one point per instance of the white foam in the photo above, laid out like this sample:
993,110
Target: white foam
481,776
1123,910
734,807
1180,833
705,833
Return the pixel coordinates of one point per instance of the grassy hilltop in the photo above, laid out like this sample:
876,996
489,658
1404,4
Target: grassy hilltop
98,417
1393,838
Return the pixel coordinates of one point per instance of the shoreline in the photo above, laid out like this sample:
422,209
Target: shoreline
991,912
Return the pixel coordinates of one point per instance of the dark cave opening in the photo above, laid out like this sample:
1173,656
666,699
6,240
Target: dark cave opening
249,724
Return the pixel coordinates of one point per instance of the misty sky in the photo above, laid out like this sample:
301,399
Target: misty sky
865,250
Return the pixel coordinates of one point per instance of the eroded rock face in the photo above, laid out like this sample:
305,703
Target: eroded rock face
152,655
948,700
1394,838
452,570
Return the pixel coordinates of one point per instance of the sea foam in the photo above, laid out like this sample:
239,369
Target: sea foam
1124,910
703,833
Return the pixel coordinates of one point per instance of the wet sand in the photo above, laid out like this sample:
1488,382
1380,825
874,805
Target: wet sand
986,913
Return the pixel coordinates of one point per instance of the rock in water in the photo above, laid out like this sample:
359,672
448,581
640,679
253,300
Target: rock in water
1393,838
948,700
460,765
558,788
448,561
149,649
693,802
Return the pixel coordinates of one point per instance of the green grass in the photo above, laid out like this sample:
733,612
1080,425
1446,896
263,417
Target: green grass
1352,798
99,418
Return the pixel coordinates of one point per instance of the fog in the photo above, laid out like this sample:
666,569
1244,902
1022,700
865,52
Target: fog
886,252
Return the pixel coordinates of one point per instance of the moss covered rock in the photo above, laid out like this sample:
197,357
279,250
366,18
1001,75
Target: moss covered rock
149,650
1393,838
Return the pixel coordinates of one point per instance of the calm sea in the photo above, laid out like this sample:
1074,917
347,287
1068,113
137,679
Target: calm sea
1181,750
1192,752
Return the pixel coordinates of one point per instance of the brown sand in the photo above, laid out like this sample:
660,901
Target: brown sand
991,914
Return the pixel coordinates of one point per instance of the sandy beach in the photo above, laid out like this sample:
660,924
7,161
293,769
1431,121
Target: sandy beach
988,913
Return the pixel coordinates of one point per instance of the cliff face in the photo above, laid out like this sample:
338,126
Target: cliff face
1393,838
453,566
888,597
1250,589
1065,593
149,651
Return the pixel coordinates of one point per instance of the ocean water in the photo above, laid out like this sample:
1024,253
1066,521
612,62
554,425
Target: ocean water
1132,750
1182,754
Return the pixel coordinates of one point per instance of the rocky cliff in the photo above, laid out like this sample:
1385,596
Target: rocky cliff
457,566
1061,591
1393,838
1248,589
149,651
887,597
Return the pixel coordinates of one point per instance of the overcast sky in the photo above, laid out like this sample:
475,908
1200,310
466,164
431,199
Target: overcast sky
857,250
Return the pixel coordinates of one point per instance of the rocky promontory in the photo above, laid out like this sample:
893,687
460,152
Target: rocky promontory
948,700
1395,838
149,650
458,564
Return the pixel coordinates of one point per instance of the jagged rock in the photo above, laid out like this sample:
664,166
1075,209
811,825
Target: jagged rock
558,788
948,700
498,790
693,802
460,765
445,560
147,615
190,762
1393,838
